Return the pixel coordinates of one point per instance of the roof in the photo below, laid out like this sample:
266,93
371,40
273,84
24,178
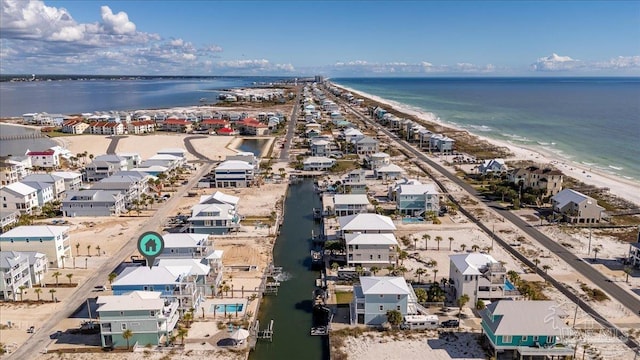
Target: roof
234,164
379,155
111,158
567,196
406,189
67,174
370,239
471,263
184,266
96,195
224,130
9,259
47,178
384,285
367,140
222,197
19,188
223,209
366,222
171,150
529,318
349,199
165,157
40,153
177,240
318,159
143,275
35,230
135,300
38,185
215,255
389,168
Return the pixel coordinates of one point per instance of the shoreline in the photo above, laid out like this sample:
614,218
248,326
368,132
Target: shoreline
624,188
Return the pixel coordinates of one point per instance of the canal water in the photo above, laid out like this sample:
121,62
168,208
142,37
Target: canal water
256,146
291,309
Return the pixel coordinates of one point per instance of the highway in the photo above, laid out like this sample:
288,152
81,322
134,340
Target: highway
40,339
578,264
284,154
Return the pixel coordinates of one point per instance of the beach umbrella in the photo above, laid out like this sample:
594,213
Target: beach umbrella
239,334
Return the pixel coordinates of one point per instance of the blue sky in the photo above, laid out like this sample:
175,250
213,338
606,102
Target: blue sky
333,38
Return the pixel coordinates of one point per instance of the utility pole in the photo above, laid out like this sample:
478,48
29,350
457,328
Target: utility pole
589,248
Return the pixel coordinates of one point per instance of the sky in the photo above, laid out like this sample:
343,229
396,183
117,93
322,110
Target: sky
331,38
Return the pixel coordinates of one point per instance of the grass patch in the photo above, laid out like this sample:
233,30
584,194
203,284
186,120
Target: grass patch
343,166
594,293
344,297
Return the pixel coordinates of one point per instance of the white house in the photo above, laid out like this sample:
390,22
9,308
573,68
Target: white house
493,166
377,160
44,191
369,250
317,163
480,276
388,172
53,241
56,181
234,173
72,180
46,159
19,196
375,295
417,200
366,145
576,207
350,204
366,223
184,245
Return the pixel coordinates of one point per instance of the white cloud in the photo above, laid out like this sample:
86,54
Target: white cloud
555,62
117,23
362,67
620,63
252,67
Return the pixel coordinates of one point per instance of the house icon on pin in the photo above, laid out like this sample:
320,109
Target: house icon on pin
150,246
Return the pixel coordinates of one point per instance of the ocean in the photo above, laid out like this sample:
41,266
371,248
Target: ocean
592,121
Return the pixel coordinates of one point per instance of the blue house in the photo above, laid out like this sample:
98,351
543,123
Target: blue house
375,295
527,328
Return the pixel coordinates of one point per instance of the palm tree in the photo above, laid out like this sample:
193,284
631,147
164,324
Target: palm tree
39,276
69,276
546,268
463,247
435,271
226,289
374,270
112,277
37,291
628,270
426,238
402,270
415,242
475,247
77,249
56,275
182,332
187,318
359,270
127,335
462,301
596,250
536,261
402,256
98,249
488,249
450,242
62,257
390,269
513,277
52,292
88,250
23,291
438,239
420,272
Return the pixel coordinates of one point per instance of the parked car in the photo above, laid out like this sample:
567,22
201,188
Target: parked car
31,329
100,288
450,323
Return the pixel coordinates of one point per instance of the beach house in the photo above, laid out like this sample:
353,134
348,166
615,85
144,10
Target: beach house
493,166
98,170
480,277
57,182
320,147
355,182
131,186
8,173
52,241
441,143
234,173
576,208
75,126
141,127
525,328
8,218
388,172
366,145
18,196
366,224
177,125
215,214
150,318
44,191
48,159
317,163
174,283
349,204
20,269
72,180
377,160
246,156
546,179
93,202
375,295
184,245
369,250
417,200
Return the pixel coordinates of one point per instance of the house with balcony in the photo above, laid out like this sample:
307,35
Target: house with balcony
525,329
377,160
212,125
48,159
93,202
349,204
72,180
250,126
375,295
8,218
215,214
417,200
634,253
546,179
369,250
14,268
52,241
234,173
132,159
44,191
441,143
388,172
56,181
204,275
366,145
150,317
317,163
493,166
174,284
131,186
355,182
75,126
8,173
12,166
141,127
18,196
350,135
480,277
366,224
320,147
576,208
184,245
177,125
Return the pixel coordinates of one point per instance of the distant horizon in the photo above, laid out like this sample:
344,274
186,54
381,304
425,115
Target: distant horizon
443,76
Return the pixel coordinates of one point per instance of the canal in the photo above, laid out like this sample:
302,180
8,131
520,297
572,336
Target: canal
256,146
291,308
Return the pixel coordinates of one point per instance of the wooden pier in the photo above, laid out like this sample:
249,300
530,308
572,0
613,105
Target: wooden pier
270,280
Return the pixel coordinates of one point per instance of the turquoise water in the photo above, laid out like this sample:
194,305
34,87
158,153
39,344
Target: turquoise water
412,220
220,308
508,285
593,121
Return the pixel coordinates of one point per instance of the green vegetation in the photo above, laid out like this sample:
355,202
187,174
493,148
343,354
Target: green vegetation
343,166
594,293
344,297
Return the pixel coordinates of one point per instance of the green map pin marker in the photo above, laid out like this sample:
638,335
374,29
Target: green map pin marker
150,245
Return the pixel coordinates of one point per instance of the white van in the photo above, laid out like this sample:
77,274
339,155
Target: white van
420,322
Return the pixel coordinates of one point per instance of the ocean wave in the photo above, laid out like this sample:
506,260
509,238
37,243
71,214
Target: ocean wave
483,128
542,143
616,167
516,137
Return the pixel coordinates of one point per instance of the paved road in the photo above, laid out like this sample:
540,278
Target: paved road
284,154
39,341
191,149
113,145
624,297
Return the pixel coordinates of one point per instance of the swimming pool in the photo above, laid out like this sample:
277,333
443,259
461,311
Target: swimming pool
412,220
220,308
508,285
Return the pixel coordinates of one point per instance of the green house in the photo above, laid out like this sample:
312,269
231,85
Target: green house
149,317
525,328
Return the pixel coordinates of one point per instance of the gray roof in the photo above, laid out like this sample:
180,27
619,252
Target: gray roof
370,239
347,199
35,231
528,318
112,158
127,179
19,188
38,185
471,263
384,285
47,178
9,259
567,196
365,222
136,300
96,195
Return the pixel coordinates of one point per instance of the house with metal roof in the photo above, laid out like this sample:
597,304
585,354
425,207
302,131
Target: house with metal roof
234,173
388,172
57,182
131,186
577,208
52,241
8,218
349,204
184,245
18,196
150,317
45,159
20,268
377,160
44,191
366,145
480,277
98,170
417,200
493,166
317,163
215,219
375,295
72,180
369,250
525,328
366,223
93,202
